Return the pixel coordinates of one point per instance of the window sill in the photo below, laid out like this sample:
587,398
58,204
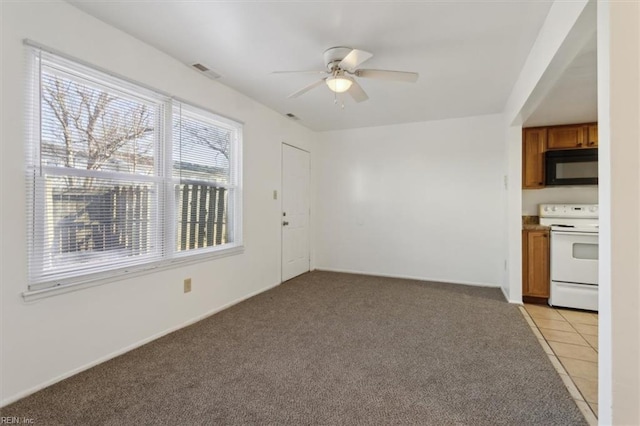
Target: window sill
125,274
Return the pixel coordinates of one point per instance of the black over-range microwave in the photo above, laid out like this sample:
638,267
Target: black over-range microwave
571,167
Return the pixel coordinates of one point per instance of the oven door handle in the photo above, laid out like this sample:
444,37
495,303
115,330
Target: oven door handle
588,234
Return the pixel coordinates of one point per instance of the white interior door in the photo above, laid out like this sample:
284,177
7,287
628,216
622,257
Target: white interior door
295,212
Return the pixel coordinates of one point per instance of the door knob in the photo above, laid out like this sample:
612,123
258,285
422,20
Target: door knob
285,223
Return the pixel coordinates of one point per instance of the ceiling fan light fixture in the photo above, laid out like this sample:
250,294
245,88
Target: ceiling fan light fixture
339,83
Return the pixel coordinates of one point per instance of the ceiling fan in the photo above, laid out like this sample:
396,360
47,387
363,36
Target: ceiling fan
342,66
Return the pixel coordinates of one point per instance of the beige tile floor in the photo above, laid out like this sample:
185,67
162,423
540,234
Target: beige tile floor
570,339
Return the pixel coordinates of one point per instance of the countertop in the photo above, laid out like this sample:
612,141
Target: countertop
532,223
535,227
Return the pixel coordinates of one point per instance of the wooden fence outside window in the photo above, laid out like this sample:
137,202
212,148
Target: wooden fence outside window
119,218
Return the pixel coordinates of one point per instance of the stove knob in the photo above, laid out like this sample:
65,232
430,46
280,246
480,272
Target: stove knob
554,208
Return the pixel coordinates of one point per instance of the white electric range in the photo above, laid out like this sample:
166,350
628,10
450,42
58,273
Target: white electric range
574,254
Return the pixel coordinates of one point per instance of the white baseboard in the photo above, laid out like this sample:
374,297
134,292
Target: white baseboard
506,297
406,277
131,347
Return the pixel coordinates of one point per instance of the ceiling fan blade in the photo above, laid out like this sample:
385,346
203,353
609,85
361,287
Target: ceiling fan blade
409,77
301,72
354,58
357,93
306,89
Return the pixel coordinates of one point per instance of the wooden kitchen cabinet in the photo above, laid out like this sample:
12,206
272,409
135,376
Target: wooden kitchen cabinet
535,264
573,137
534,142
592,132
537,140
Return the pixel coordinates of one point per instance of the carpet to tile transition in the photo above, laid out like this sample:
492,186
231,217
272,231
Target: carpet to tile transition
333,349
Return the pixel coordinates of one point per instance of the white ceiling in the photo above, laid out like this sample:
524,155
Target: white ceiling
573,98
468,54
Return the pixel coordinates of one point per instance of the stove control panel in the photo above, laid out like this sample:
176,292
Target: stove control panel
569,210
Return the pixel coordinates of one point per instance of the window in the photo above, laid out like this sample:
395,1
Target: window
122,178
204,179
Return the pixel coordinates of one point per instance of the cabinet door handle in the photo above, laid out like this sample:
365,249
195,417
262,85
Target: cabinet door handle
579,143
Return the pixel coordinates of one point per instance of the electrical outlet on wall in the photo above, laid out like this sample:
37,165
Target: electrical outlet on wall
187,285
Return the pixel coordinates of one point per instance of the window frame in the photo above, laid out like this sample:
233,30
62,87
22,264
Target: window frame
162,209
235,165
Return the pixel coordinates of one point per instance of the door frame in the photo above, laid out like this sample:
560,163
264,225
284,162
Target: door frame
282,147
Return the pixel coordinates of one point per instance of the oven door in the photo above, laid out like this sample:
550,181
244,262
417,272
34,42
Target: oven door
574,257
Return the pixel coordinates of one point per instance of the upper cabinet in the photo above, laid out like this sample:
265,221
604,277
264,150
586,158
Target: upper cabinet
537,140
592,132
573,136
534,142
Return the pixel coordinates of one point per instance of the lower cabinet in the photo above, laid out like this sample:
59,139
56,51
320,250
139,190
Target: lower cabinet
535,263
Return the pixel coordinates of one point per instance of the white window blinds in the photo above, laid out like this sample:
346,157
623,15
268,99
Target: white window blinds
121,178
205,173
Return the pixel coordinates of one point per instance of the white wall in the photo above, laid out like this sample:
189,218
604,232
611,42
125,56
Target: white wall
422,200
553,48
51,338
587,194
605,337
512,287
620,277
